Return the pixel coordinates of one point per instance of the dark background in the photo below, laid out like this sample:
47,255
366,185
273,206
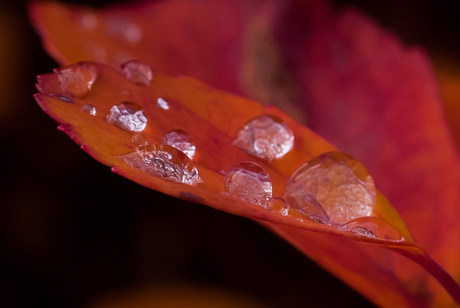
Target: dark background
71,231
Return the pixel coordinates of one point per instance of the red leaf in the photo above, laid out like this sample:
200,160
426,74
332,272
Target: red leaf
213,118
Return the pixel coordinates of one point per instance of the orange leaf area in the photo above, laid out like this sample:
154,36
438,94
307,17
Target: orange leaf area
212,118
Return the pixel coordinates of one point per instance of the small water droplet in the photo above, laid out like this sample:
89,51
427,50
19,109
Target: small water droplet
371,227
89,21
249,182
124,28
265,136
305,204
139,139
181,141
278,205
77,80
63,98
89,109
162,104
137,72
128,116
340,183
164,162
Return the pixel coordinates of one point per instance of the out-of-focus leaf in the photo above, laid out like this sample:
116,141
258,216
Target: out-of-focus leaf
212,118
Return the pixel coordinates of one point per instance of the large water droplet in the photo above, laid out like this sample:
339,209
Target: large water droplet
181,141
339,182
372,227
77,80
299,199
162,104
278,205
249,182
137,72
164,162
89,109
128,116
265,136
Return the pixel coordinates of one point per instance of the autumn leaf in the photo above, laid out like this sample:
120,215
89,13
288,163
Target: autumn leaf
346,73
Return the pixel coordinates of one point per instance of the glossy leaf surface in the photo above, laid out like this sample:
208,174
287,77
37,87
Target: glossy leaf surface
220,115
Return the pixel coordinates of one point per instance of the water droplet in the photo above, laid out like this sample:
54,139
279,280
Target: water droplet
249,182
89,109
77,80
265,136
137,72
278,205
63,98
89,21
372,227
139,139
128,116
340,183
164,162
126,29
162,104
305,203
181,141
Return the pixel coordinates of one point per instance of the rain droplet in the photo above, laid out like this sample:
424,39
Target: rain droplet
126,29
372,227
278,205
162,104
340,183
128,116
305,203
265,136
137,72
89,109
78,79
164,162
249,182
139,139
181,141
89,21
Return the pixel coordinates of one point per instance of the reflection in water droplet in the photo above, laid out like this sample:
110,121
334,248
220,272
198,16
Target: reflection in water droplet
139,139
249,182
181,141
77,79
89,21
164,162
162,104
128,116
265,136
372,227
340,183
305,203
137,72
89,109
126,29
278,205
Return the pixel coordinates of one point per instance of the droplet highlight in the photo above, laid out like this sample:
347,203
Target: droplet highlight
125,29
182,141
137,72
265,136
89,21
77,80
165,162
373,227
249,182
162,104
128,116
89,109
305,203
340,183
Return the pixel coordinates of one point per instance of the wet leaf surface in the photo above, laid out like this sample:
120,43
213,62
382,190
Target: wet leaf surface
212,118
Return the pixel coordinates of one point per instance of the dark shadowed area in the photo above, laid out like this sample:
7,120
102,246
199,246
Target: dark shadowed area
72,232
